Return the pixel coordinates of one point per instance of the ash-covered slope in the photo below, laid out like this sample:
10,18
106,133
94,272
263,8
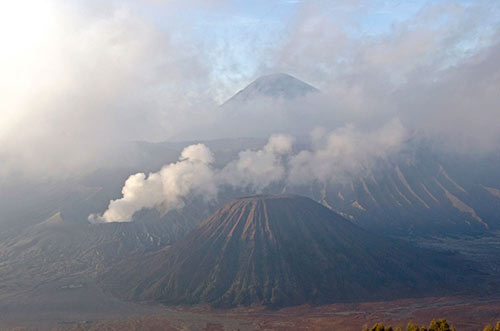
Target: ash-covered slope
58,248
281,250
418,192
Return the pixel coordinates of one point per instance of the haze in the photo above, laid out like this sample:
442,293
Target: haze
277,165
80,77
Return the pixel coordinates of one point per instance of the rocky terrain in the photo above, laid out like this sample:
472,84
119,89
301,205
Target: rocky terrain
282,250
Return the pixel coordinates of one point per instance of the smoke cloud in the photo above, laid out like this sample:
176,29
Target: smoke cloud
165,189
256,170
334,155
194,174
345,152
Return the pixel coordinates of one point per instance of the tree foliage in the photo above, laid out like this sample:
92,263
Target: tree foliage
491,328
435,325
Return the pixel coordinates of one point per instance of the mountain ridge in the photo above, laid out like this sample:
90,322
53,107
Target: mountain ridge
281,250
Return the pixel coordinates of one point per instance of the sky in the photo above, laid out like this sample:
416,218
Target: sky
80,76
245,29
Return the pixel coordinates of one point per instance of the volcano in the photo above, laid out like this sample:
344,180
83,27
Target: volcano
278,85
281,250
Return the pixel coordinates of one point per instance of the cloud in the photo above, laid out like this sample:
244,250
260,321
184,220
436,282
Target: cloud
166,189
79,77
255,170
344,153
334,156
436,70
194,175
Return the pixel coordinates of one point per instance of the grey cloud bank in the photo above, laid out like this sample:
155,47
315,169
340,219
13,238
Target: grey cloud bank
118,76
334,156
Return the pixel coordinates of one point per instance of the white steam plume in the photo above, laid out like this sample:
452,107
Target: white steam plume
258,169
165,189
194,174
341,153
344,152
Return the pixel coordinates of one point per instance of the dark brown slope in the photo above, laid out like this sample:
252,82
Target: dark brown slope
281,250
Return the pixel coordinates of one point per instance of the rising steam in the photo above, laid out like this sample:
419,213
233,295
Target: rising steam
192,174
332,156
256,170
344,152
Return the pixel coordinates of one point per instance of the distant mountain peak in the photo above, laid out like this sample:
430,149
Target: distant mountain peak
277,85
